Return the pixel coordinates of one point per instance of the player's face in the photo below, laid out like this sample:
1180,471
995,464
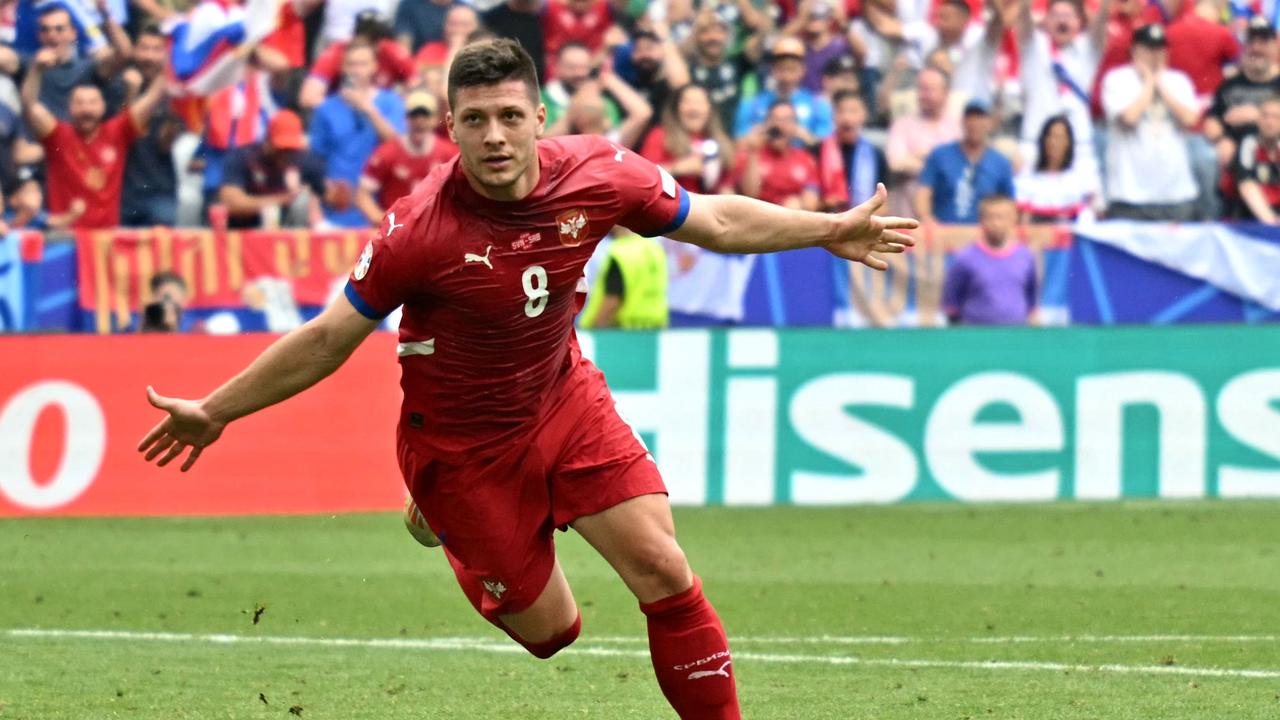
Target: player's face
997,220
87,108
497,128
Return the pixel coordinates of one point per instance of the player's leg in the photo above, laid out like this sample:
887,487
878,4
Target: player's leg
687,643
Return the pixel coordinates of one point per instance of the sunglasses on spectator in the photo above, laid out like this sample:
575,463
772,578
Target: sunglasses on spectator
53,28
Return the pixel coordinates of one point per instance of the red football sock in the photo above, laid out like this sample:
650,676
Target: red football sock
691,656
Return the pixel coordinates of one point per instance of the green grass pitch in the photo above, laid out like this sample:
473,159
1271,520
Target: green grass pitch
1145,610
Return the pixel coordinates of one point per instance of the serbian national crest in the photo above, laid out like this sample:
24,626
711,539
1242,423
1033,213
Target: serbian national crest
572,226
362,265
495,587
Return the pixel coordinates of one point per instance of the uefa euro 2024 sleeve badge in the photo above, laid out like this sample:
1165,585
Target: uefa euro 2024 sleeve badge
362,265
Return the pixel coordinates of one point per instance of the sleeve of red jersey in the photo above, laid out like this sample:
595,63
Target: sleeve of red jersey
650,201
381,280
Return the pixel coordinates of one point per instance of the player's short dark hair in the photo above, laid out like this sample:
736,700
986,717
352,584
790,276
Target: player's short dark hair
490,62
844,95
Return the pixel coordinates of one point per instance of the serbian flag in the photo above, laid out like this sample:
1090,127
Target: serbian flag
210,45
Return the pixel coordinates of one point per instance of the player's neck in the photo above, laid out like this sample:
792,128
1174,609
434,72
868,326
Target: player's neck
518,190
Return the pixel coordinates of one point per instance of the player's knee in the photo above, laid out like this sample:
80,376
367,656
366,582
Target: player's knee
659,569
547,648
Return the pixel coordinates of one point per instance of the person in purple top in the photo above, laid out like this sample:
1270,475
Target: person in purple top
993,281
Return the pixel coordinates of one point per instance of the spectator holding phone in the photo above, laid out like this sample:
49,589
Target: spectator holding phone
770,167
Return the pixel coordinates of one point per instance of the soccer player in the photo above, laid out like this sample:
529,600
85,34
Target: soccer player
506,431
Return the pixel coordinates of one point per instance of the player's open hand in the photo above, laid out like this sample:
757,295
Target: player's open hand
187,426
864,234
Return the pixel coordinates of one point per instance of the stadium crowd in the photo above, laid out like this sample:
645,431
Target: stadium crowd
1159,110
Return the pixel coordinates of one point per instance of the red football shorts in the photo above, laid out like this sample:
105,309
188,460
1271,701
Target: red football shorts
496,514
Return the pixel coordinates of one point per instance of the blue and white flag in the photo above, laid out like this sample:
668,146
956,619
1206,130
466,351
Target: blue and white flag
11,290
84,17
210,45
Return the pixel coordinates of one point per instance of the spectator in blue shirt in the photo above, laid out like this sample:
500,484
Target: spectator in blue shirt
957,176
347,127
786,70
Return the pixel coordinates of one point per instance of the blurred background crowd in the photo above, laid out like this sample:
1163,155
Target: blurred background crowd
999,111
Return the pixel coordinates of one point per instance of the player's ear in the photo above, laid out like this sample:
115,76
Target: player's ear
541,116
448,123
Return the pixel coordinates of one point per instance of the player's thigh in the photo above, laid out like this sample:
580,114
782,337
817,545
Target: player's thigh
638,538
550,615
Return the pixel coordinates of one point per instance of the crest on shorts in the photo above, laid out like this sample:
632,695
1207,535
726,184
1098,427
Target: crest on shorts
572,226
495,588
362,265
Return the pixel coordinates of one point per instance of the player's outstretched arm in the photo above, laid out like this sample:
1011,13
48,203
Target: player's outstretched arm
737,224
292,364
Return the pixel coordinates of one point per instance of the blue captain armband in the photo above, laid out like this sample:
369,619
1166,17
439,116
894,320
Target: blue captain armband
681,214
360,305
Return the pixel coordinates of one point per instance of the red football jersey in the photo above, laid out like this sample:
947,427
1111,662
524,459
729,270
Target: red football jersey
490,288
89,169
561,25
395,65
393,169
782,175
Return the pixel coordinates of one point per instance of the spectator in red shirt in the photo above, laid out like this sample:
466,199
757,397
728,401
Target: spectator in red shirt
1256,169
395,64
771,168
86,156
690,143
1199,45
580,21
398,164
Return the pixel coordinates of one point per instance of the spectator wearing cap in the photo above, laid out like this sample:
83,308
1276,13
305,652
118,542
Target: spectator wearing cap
840,74
816,23
850,165
957,176
419,22
521,20
713,67
690,143
347,127
913,137
399,163
86,155
786,70
770,167
969,48
150,195
1148,105
1234,112
393,65
575,21
1058,65
59,40
268,180
1256,170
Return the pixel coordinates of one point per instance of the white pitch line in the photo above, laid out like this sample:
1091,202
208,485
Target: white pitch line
482,645
981,640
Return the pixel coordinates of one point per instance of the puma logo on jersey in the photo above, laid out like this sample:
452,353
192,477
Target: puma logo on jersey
698,675
392,226
474,258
